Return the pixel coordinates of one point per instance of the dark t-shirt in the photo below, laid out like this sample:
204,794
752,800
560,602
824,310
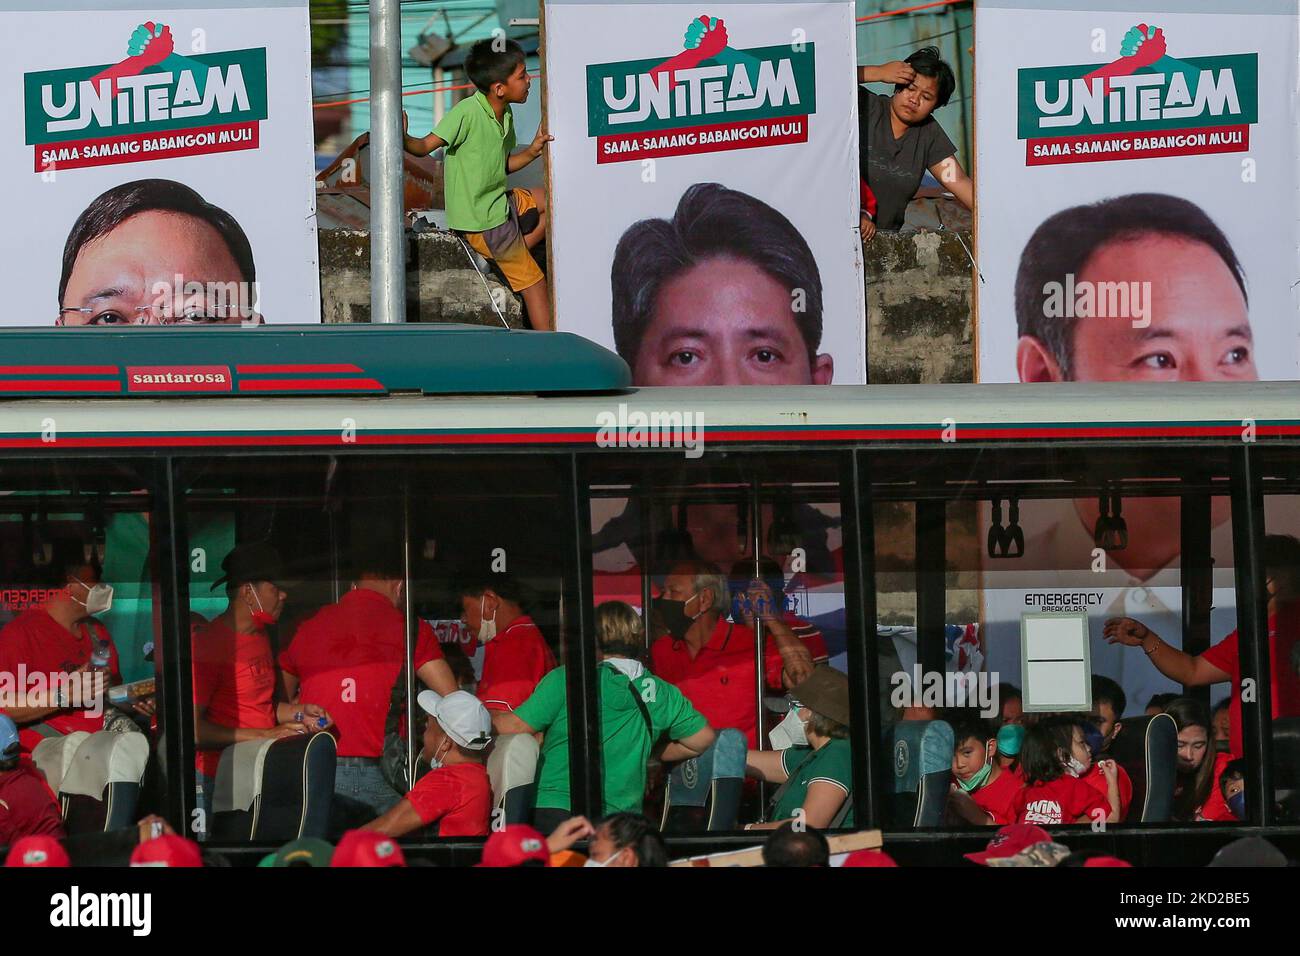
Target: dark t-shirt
893,167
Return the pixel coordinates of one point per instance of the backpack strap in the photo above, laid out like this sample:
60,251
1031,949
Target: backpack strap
645,711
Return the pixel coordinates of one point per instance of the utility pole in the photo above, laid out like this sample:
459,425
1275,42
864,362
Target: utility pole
387,229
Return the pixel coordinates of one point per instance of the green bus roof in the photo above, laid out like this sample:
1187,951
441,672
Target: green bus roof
433,359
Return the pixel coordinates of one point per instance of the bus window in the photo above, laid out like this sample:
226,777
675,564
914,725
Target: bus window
708,553
328,580
79,626
1280,564
987,560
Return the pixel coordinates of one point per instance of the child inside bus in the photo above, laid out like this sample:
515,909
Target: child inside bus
1232,786
1055,755
983,794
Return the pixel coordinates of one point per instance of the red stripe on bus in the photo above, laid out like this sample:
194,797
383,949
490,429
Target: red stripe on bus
297,369
60,385
59,370
309,384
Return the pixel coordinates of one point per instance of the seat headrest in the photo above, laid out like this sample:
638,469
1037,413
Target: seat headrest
691,781
239,775
105,758
512,763
920,748
54,755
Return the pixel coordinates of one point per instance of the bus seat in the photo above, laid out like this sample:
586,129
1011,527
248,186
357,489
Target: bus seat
512,768
101,787
1160,749
1286,766
703,793
53,756
922,752
274,791
1130,751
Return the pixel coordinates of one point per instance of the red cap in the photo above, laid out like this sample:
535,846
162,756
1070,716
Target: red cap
1009,841
167,850
1106,861
868,858
37,851
514,846
367,848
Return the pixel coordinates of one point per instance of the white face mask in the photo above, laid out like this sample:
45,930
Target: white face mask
591,862
791,732
1074,767
486,629
99,597
435,761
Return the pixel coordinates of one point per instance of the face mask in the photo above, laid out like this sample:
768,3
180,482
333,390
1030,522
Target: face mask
1237,804
486,629
674,616
435,761
99,597
260,617
1095,741
790,732
1074,768
591,862
977,781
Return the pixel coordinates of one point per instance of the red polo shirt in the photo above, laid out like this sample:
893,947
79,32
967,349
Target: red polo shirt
44,646
719,679
1283,633
513,662
458,798
234,679
347,658
27,805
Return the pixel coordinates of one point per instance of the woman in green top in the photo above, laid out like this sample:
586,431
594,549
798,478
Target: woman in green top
818,778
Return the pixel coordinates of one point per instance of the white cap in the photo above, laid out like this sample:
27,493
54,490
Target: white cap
461,715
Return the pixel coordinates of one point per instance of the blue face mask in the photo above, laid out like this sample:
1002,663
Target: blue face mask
1237,805
1094,739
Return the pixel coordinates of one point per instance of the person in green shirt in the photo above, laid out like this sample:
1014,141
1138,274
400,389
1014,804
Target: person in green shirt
818,778
478,133
636,710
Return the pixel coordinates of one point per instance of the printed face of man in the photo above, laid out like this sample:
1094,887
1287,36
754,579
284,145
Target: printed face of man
125,269
725,321
1199,328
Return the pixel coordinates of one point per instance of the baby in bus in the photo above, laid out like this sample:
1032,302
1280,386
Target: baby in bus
984,792
1054,757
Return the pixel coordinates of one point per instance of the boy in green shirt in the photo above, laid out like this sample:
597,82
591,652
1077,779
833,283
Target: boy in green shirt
636,710
479,134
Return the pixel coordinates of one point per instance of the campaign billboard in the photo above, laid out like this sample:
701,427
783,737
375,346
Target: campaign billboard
704,188
160,160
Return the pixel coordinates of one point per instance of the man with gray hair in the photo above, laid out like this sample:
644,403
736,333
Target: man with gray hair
711,659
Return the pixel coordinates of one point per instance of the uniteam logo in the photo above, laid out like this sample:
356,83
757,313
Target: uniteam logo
706,98
1145,104
154,104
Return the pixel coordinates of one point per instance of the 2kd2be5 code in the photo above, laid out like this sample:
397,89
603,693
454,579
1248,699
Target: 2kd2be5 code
1175,897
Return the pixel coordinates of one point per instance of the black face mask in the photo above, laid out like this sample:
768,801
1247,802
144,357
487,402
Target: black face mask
674,616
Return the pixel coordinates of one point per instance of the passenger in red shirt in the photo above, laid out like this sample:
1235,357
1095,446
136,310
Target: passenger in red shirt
515,654
1221,662
710,659
234,670
456,793
27,807
1197,794
1054,756
984,793
56,641
346,659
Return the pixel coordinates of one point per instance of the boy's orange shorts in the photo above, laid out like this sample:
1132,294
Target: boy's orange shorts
505,243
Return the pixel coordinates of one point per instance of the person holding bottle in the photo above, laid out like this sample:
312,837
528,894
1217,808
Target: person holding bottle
61,640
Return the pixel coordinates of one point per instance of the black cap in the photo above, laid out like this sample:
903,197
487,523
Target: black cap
254,561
